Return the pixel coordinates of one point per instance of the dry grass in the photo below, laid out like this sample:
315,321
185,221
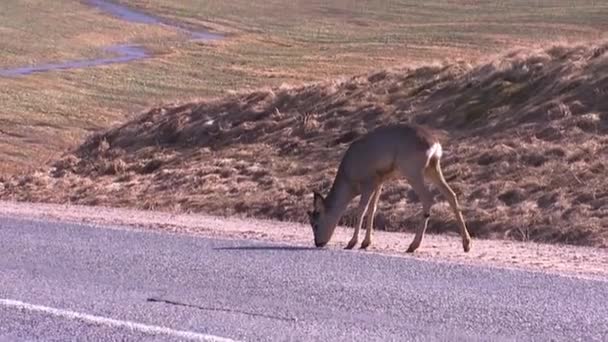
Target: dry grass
273,42
528,151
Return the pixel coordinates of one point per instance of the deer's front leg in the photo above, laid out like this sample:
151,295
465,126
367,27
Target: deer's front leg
366,196
370,218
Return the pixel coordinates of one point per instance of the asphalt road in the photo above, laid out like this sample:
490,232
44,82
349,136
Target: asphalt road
61,282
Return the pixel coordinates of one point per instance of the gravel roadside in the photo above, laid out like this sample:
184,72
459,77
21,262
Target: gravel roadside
573,261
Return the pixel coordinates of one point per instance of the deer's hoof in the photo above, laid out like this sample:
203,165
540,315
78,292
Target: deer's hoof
351,244
365,244
466,245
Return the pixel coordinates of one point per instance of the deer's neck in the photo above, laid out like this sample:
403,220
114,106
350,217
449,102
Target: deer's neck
338,198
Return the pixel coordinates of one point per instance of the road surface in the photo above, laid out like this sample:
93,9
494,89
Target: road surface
63,282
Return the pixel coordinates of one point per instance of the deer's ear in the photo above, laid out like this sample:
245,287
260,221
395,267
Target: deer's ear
318,202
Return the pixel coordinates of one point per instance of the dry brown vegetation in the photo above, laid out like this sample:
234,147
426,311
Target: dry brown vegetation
273,42
527,152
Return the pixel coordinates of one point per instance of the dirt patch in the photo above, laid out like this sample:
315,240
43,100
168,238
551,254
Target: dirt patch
527,152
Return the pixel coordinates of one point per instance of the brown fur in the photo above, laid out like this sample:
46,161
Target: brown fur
402,150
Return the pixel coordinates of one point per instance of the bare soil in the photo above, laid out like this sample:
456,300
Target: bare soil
527,151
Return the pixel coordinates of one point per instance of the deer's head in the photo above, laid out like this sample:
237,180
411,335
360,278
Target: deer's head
322,224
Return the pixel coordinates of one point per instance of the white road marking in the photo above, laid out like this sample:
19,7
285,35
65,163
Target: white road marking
112,323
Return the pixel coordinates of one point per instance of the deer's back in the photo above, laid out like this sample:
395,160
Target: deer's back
378,153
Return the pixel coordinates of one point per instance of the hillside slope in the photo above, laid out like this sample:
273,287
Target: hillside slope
527,150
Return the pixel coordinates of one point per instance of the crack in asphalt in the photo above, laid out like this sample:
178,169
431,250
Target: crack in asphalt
205,308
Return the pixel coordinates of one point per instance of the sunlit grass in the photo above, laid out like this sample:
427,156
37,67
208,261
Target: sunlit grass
269,43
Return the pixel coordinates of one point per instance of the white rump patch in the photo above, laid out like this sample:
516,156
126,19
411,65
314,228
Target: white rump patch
434,150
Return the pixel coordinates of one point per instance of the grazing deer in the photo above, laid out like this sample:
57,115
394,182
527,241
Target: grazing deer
401,150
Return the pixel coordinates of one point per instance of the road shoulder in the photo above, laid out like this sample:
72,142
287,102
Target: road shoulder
572,261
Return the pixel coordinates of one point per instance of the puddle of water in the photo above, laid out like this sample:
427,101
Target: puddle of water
128,14
125,52
124,12
202,35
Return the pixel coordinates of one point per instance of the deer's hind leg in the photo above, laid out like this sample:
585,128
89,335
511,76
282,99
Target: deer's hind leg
433,171
370,217
417,183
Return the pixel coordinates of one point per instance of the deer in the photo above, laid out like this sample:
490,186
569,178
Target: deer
387,152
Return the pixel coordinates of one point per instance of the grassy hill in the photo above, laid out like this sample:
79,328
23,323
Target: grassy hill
271,43
527,151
